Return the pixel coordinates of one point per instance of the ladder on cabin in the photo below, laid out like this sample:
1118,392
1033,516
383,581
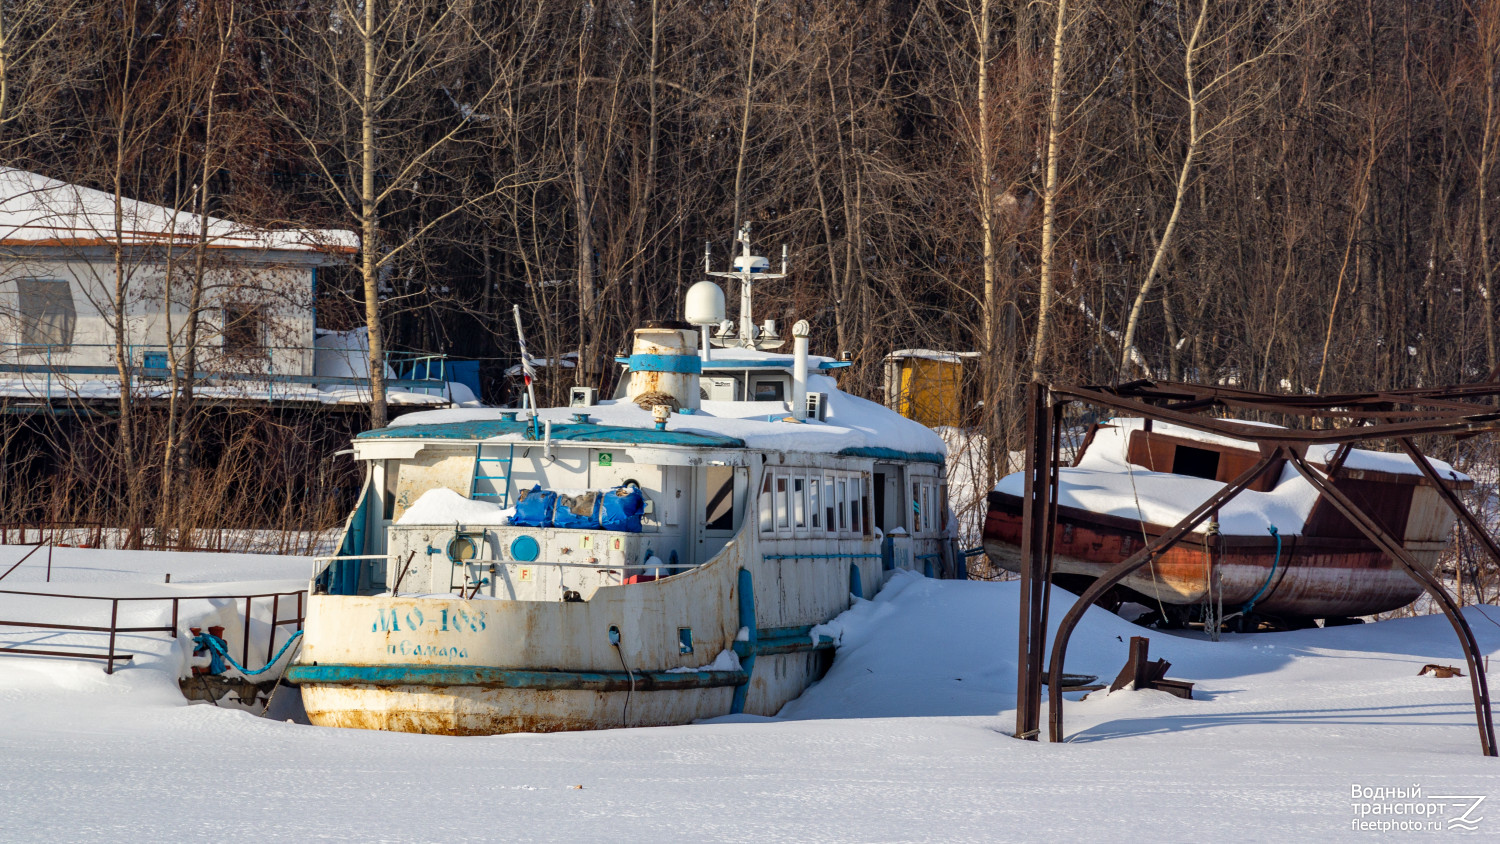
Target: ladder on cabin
496,470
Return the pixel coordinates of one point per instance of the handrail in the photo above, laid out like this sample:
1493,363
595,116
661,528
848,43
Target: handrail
264,355
111,656
318,570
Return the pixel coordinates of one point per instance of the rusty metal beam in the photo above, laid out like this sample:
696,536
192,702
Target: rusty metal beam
1178,390
1433,587
1486,421
1034,541
1123,569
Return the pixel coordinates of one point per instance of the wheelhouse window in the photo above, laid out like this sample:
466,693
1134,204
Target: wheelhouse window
799,502
1195,462
816,509
856,493
767,508
831,505
864,504
47,315
782,514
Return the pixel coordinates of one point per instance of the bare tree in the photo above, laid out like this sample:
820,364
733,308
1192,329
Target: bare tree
394,99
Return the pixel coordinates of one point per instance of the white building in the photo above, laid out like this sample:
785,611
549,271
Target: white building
73,265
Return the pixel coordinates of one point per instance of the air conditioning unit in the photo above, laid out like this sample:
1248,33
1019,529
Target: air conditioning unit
817,406
583,397
720,389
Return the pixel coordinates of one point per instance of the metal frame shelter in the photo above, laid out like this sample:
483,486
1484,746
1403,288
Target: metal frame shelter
1336,419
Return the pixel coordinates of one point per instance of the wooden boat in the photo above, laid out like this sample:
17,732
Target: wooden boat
1278,550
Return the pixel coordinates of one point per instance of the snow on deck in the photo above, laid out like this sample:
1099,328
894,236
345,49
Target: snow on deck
852,423
1105,482
906,738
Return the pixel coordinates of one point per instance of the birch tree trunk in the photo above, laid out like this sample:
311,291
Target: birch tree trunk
1184,179
739,163
369,247
1049,198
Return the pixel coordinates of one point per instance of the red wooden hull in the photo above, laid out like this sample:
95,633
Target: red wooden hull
1317,577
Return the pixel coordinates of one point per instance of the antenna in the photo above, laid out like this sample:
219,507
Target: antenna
708,249
748,269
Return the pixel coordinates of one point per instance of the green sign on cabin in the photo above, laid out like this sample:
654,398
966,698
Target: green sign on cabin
606,458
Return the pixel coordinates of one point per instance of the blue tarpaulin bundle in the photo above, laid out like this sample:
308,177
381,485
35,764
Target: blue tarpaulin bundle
620,509
534,509
580,511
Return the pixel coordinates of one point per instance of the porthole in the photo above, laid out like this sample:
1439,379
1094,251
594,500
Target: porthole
525,549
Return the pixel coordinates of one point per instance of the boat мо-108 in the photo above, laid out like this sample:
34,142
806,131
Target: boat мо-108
654,559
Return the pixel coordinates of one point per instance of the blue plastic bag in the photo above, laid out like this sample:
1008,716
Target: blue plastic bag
534,507
620,509
580,512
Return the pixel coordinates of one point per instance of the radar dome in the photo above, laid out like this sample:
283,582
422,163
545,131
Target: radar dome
704,304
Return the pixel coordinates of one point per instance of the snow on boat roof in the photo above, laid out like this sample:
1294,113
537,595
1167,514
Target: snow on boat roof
1104,482
855,427
1359,459
38,211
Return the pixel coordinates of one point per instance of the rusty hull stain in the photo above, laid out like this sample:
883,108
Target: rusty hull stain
1314,577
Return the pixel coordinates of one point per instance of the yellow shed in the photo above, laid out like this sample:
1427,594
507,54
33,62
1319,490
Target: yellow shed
927,385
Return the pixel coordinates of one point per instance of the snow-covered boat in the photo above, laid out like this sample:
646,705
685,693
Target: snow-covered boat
658,558
1281,552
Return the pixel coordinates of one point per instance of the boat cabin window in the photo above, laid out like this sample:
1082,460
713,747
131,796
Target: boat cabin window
855,507
796,504
926,506
768,389
1195,462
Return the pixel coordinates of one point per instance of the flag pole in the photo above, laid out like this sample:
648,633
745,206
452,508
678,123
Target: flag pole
528,372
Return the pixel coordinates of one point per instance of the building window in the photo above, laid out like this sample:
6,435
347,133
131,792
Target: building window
47,315
244,330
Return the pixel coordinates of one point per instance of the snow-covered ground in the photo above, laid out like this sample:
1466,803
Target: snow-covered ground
905,739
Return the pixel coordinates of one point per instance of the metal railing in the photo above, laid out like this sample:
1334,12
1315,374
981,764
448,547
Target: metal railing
151,362
111,655
77,534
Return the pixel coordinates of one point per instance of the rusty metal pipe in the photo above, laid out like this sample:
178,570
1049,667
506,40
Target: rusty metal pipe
114,617
1121,570
1033,568
1377,535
